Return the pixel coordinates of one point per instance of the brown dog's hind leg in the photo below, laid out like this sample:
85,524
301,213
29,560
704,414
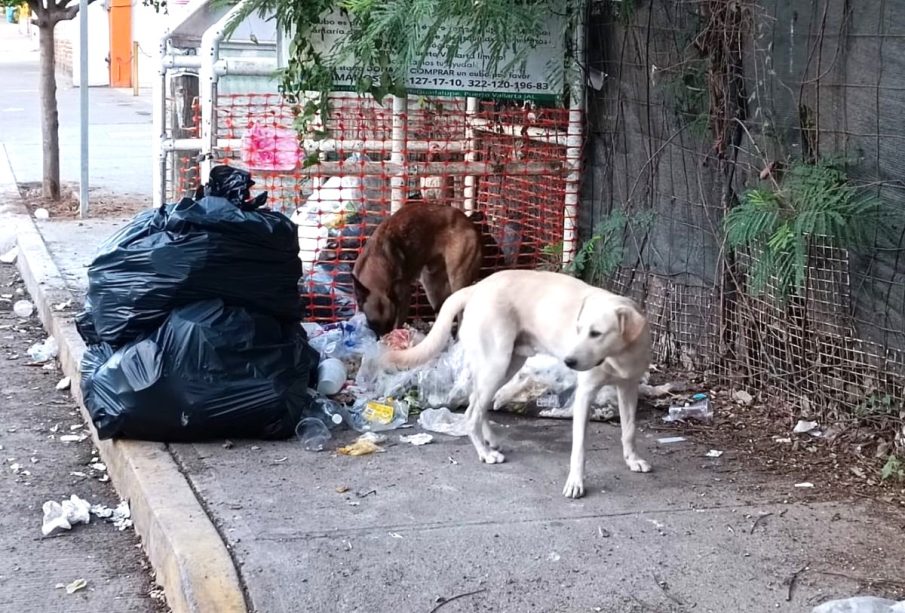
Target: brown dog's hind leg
436,286
463,266
403,303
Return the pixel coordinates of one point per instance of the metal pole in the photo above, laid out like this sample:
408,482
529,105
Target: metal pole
135,86
83,106
575,138
471,151
398,153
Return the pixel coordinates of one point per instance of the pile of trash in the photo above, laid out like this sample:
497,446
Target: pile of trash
64,515
192,320
334,222
357,392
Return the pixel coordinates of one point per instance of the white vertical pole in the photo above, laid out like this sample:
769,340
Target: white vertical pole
574,138
159,156
397,153
83,106
471,146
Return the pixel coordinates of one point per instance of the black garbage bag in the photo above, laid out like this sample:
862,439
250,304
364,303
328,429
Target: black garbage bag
210,371
191,251
234,184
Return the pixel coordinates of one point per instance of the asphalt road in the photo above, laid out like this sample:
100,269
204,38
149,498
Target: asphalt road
36,466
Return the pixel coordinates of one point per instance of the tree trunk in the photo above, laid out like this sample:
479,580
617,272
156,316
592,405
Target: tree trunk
50,121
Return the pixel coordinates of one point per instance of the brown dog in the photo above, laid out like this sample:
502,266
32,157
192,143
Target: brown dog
433,242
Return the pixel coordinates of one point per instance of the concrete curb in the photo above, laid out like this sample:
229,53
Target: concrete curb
190,559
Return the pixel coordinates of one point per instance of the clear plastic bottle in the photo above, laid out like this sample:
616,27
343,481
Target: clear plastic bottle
697,408
330,410
376,415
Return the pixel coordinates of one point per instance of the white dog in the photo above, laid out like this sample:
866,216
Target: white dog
514,314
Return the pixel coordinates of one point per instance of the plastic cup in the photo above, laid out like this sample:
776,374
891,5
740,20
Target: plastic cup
313,434
331,375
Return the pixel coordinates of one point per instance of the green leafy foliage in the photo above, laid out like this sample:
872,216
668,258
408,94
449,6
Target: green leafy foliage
814,202
602,254
894,469
878,405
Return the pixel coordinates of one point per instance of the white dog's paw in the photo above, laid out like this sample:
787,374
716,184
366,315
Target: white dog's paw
493,457
637,465
574,487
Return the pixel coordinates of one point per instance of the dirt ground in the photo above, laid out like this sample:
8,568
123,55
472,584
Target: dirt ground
846,461
36,466
101,203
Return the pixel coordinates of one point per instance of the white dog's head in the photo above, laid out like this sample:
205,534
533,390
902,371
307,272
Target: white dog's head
606,326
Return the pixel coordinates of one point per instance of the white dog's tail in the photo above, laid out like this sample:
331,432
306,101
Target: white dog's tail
436,339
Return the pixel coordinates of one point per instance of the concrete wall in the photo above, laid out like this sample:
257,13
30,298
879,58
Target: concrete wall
147,28
67,36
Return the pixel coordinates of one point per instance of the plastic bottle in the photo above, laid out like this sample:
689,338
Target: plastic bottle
330,411
697,409
376,415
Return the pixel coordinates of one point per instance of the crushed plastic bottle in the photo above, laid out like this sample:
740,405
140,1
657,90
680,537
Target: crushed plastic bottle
377,415
696,409
343,339
313,433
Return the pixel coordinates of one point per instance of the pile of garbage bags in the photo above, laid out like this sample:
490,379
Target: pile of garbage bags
192,320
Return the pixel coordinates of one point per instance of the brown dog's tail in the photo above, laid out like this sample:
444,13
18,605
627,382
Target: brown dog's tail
436,339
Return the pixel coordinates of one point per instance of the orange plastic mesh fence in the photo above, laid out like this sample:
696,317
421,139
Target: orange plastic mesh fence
505,166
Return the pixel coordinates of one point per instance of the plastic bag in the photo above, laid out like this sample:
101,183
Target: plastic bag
347,338
210,371
444,421
861,604
192,251
65,515
272,148
235,185
443,381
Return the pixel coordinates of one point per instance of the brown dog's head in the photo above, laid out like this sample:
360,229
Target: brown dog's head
379,308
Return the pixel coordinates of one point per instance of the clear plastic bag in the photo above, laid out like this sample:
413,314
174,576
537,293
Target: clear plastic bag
861,604
444,421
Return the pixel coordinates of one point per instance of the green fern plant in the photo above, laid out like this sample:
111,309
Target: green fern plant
600,256
814,202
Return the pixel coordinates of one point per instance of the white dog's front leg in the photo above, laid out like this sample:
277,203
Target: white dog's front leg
628,405
581,409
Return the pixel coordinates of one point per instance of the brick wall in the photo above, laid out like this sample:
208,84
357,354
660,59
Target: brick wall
63,54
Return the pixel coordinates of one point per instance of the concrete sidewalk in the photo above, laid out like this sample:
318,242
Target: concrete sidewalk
422,524
120,127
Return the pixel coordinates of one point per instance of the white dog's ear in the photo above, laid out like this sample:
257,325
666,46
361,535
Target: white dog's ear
631,323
